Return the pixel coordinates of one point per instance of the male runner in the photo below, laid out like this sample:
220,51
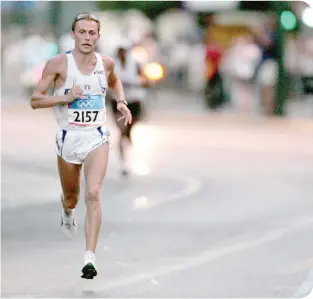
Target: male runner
134,82
81,78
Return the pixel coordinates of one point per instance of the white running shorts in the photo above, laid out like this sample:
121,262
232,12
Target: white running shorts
74,146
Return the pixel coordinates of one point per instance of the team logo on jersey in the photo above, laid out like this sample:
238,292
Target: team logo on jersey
87,87
66,91
86,104
98,72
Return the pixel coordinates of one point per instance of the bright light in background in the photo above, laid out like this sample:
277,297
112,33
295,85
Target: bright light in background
307,16
288,20
154,71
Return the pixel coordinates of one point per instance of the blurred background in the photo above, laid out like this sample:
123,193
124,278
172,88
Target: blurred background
219,202
218,50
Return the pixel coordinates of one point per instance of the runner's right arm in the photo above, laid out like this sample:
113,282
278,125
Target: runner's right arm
40,99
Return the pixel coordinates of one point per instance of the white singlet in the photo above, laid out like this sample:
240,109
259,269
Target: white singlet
128,74
81,121
83,114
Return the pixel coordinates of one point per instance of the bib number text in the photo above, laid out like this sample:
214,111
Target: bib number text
85,116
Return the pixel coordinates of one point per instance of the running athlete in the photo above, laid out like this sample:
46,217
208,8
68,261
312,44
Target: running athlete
134,82
81,78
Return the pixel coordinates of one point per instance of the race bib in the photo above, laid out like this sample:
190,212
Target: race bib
87,112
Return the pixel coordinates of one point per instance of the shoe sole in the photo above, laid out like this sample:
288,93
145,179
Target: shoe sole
89,271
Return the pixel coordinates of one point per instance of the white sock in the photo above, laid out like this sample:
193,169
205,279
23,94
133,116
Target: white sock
89,257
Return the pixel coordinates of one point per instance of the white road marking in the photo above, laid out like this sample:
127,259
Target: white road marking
204,257
155,282
191,187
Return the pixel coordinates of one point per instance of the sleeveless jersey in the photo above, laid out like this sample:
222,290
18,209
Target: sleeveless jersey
88,112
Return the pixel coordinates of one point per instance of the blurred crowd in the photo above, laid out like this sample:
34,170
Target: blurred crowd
243,71
25,49
230,61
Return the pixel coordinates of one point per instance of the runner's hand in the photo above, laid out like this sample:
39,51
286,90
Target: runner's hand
75,92
121,107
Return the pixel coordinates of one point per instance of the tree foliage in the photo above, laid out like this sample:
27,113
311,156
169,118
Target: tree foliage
150,8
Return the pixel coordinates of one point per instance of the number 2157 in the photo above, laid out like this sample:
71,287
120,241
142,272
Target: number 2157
85,116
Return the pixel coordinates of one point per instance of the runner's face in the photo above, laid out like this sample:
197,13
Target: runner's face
86,35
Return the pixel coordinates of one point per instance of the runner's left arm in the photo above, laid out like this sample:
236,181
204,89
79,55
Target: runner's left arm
114,82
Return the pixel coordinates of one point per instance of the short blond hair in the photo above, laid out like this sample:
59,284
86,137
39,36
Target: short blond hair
85,16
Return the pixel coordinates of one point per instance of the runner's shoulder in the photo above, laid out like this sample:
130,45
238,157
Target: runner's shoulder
108,62
57,62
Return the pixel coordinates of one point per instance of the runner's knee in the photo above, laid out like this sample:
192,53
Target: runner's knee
93,193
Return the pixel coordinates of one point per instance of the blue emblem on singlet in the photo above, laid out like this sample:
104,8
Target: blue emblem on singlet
92,102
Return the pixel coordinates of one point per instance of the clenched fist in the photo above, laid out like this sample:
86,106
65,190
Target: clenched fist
75,92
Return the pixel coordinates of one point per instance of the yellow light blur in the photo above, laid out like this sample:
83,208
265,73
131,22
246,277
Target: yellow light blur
154,71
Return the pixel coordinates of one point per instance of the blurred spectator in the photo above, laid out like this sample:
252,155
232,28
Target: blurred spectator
214,91
238,68
267,71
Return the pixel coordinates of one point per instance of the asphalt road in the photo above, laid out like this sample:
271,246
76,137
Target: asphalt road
218,206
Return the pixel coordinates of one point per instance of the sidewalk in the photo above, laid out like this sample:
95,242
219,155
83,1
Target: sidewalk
177,104
170,101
